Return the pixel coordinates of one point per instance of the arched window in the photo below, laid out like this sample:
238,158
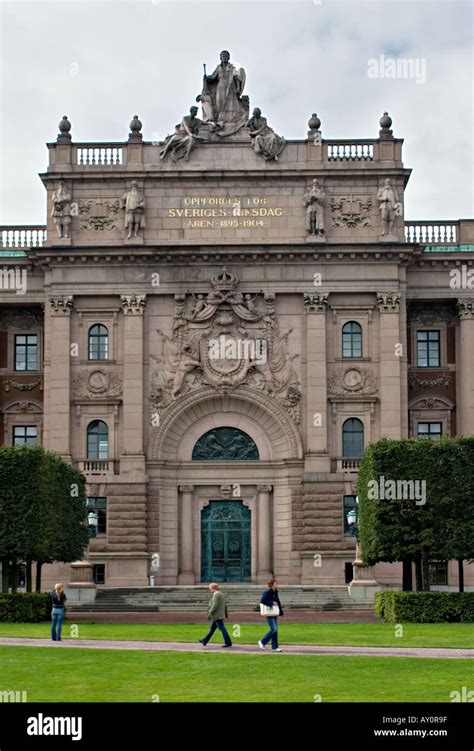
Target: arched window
98,342
352,339
352,437
97,440
225,443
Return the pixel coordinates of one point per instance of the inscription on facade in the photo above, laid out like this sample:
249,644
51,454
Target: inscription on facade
217,212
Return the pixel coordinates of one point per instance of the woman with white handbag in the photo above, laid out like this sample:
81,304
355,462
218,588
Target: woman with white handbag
270,607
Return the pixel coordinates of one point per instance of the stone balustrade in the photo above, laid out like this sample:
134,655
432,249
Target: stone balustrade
98,155
345,463
349,151
27,236
431,232
97,466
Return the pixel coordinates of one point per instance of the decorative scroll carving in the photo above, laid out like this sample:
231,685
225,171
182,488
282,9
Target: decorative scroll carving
20,319
133,304
96,384
352,381
351,211
388,302
223,339
428,314
23,408
314,302
61,304
98,214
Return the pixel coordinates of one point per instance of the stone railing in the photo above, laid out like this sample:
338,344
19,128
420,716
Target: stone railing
432,232
98,155
27,236
349,151
345,463
97,466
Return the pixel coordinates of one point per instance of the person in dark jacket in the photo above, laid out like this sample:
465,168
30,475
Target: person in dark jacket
216,613
58,598
269,598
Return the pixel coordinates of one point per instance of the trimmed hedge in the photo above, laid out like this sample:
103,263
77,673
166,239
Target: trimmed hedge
28,607
424,607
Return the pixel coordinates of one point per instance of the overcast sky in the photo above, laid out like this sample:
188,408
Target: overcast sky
102,62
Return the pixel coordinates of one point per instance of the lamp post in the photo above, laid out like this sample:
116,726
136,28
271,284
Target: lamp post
352,520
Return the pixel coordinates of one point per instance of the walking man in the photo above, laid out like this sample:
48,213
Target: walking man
216,613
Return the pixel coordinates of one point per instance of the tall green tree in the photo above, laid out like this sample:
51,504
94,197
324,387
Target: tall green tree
42,511
408,529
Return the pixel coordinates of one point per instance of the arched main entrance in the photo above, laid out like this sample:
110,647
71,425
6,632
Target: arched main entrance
225,542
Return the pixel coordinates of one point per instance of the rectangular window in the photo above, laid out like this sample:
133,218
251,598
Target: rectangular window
25,435
429,429
438,572
98,573
26,352
98,506
428,349
349,505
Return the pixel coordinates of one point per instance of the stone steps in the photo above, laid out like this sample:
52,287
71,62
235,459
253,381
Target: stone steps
195,599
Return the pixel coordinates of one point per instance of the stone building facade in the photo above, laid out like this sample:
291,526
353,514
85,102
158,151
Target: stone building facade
213,337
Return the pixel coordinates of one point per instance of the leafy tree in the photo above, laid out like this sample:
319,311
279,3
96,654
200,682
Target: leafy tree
405,528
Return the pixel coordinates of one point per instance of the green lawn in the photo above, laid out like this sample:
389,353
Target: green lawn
448,635
87,675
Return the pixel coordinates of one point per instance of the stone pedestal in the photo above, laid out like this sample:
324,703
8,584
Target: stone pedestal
363,585
186,553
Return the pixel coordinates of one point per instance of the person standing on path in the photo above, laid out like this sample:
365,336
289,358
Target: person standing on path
270,599
217,612
58,598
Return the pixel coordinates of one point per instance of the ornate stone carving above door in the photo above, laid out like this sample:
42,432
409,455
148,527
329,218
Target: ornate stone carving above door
225,338
96,384
355,380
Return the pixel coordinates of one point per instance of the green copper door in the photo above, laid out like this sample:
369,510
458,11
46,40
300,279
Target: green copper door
225,542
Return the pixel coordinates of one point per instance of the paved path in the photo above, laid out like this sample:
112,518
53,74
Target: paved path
161,646
238,616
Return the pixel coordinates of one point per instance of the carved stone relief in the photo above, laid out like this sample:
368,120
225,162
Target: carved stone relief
350,381
225,338
96,384
98,215
351,211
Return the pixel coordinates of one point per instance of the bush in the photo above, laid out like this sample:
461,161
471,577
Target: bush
30,607
425,607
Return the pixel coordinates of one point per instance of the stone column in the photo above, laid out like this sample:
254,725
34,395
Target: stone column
390,364
186,552
132,459
317,459
264,532
57,376
465,368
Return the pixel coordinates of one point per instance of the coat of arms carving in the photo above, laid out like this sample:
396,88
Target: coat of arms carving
225,338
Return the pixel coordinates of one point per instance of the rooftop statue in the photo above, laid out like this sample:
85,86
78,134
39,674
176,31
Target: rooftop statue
221,97
184,139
